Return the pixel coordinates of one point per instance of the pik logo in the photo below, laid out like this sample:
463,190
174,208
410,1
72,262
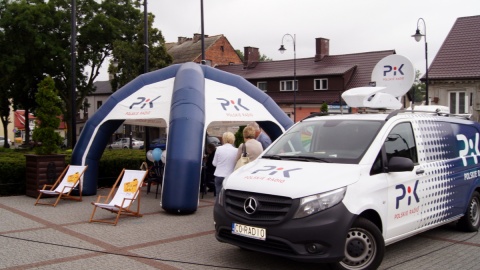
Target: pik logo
389,69
144,101
231,103
470,148
407,192
274,170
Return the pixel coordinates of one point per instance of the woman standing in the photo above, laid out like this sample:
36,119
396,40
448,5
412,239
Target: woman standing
224,160
254,147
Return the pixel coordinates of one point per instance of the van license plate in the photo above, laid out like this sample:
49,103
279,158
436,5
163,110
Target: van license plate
249,231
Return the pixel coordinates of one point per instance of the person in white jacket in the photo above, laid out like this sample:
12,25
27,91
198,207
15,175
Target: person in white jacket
224,160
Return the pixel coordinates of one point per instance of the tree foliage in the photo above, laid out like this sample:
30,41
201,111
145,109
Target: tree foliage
48,113
35,41
418,89
324,107
128,54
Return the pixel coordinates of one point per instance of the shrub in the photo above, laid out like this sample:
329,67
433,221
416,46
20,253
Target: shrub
47,113
13,166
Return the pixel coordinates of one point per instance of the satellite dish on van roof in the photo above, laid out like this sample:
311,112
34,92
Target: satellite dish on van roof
393,77
396,73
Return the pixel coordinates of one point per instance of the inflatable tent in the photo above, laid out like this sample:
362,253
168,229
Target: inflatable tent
188,97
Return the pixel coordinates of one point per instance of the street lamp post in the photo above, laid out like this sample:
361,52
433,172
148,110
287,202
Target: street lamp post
282,50
73,57
418,36
146,68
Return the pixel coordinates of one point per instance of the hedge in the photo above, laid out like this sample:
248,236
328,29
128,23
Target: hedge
12,167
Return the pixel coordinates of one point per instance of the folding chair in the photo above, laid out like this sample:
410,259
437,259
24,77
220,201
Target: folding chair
155,175
65,184
127,192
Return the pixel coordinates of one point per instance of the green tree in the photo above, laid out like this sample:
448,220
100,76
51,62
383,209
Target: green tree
128,54
29,51
324,107
418,88
48,114
4,90
36,34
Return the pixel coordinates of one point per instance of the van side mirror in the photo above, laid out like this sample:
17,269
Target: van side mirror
400,164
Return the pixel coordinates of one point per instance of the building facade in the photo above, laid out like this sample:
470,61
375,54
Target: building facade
318,79
454,75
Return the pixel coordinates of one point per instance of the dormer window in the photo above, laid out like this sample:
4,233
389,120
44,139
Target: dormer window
320,84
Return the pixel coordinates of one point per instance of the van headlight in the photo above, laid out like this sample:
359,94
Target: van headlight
319,202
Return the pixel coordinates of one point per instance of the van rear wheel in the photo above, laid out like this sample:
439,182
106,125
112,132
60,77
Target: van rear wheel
470,222
364,247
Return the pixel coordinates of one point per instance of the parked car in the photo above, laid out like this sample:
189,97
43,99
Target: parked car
157,143
125,143
2,141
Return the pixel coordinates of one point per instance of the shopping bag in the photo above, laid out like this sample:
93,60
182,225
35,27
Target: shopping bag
244,159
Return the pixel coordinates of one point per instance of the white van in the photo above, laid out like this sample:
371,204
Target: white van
338,189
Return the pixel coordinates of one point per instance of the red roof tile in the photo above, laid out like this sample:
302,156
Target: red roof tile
363,63
459,56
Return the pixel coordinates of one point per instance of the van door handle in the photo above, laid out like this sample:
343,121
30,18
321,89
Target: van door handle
420,171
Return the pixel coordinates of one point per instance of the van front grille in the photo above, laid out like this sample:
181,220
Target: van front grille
270,209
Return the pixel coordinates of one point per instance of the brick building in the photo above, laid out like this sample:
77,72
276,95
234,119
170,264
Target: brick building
218,50
321,78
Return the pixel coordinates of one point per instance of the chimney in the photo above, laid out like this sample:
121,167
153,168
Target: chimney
181,40
197,37
322,48
251,56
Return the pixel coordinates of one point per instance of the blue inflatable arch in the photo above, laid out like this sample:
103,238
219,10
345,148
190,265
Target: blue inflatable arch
188,97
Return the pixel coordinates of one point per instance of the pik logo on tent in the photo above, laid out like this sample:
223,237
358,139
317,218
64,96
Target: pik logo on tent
144,101
272,170
389,69
226,104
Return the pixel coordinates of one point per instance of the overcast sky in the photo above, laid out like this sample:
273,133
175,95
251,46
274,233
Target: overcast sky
352,26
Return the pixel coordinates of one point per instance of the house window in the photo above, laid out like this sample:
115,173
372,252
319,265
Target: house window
458,101
321,84
262,86
99,104
288,85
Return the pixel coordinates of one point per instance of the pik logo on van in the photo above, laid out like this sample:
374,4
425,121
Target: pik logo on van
144,101
272,170
407,192
388,69
470,148
231,103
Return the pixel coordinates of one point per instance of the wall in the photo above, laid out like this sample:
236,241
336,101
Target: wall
219,57
441,89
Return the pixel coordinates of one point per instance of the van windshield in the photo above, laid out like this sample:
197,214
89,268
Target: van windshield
335,141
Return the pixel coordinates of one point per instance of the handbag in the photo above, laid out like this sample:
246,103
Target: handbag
243,160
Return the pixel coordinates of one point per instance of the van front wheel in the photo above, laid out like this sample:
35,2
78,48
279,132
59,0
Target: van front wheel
470,222
364,247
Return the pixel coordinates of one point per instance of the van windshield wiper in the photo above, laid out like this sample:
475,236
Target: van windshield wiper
277,157
308,158
299,158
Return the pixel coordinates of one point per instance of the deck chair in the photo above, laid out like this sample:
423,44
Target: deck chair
127,192
65,184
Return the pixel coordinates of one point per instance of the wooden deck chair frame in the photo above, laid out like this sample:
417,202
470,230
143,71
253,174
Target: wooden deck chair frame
65,191
103,202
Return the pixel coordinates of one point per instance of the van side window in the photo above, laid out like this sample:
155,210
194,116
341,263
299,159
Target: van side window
401,143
